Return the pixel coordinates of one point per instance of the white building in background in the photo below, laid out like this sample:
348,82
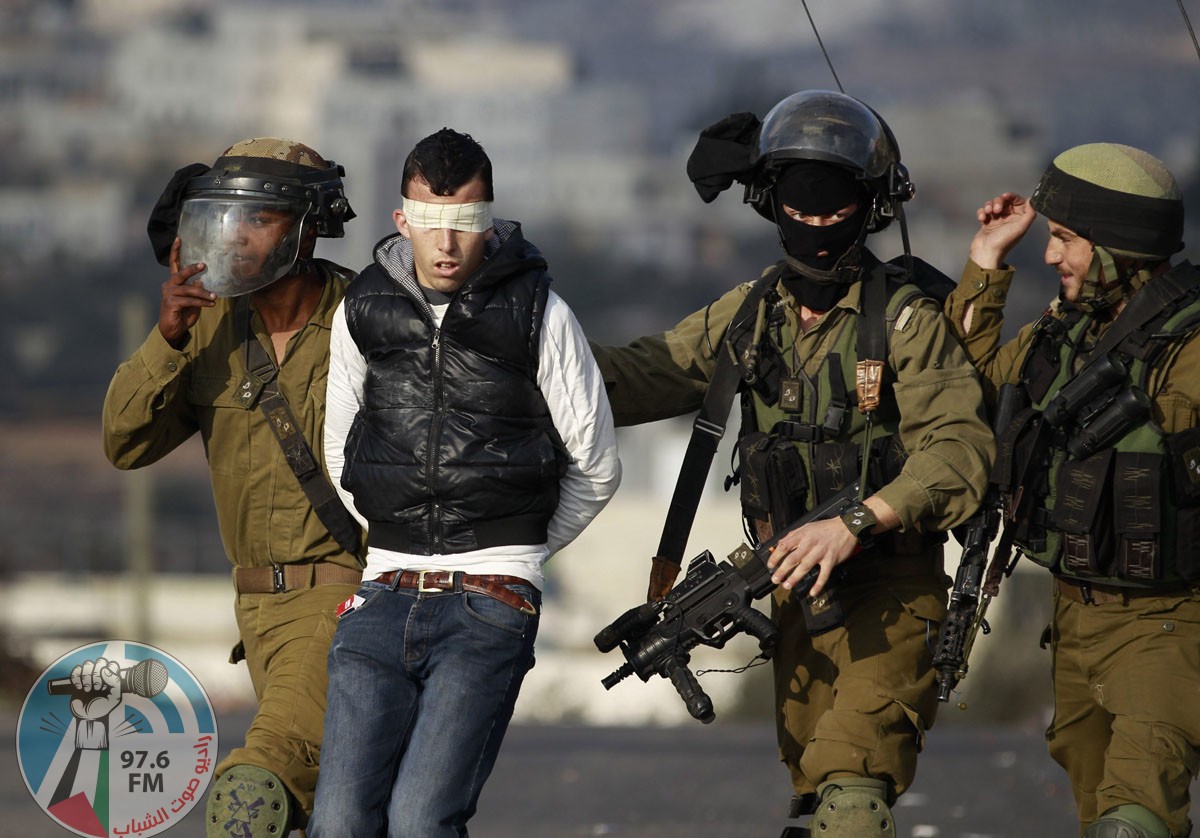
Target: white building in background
80,221
241,68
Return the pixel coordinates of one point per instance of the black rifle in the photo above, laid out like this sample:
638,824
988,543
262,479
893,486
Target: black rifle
1091,411
966,612
710,605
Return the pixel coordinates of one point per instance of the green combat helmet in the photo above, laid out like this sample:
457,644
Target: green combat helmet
1125,202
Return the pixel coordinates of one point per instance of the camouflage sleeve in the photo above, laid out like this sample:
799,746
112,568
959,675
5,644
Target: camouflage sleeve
942,424
976,313
146,413
1175,386
660,376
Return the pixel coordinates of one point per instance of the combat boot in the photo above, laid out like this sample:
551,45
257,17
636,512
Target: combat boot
248,802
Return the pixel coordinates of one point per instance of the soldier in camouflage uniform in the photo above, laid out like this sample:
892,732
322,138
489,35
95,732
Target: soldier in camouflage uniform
854,701
1113,491
244,285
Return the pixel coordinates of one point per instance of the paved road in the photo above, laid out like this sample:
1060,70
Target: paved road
720,781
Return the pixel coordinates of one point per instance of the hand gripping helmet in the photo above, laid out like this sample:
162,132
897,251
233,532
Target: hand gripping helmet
829,127
1122,200
246,216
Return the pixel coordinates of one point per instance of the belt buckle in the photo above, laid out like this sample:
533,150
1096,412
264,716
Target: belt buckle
421,583
277,580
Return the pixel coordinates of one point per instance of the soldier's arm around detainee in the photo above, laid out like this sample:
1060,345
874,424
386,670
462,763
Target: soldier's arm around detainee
666,375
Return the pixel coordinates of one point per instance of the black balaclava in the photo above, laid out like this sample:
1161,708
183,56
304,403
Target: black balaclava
819,189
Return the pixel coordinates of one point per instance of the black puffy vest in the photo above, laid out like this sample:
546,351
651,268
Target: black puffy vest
454,448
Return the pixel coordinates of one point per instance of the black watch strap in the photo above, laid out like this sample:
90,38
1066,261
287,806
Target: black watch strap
860,520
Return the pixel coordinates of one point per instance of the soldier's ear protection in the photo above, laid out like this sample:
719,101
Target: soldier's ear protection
900,188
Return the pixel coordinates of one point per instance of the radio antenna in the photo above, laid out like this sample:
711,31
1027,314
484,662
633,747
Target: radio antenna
821,43
1186,20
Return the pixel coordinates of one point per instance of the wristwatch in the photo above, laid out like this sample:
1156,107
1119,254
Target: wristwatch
859,519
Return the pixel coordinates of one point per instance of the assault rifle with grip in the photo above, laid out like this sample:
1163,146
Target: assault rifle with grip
1090,412
708,607
966,612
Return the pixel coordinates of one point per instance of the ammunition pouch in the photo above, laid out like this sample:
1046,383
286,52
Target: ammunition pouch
837,463
1183,464
1108,516
1138,514
834,465
774,493
1083,516
774,488
1093,488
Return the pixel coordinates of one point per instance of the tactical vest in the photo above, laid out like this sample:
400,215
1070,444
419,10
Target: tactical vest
1128,512
802,434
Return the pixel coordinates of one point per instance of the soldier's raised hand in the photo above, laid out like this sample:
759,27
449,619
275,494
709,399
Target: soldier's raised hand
1003,221
182,300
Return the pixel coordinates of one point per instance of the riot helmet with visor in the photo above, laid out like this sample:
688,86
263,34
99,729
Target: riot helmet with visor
246,217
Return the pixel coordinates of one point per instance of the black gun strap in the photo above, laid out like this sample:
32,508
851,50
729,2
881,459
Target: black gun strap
709,428
263,375
870,343
1165,293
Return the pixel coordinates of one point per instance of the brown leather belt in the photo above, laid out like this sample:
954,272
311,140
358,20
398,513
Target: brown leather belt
433,581
281,578
1092,593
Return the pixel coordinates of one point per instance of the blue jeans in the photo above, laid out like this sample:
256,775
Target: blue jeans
421,690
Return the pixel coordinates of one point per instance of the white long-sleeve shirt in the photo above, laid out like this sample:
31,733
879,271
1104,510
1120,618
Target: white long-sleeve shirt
574,391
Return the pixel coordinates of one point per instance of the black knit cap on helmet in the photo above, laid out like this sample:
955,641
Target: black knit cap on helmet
1108,217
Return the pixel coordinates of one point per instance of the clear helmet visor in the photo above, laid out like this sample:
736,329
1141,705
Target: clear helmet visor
245,243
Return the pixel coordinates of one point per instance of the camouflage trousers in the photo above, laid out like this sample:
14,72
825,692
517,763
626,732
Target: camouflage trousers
857,700
1127,703
286,640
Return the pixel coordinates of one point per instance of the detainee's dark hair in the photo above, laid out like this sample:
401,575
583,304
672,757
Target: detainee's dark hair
447,160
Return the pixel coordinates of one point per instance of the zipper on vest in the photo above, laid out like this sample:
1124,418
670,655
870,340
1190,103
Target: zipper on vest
435,432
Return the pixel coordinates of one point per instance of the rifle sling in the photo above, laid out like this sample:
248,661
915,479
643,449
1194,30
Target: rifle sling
707,430
1158,297
262,380
871,339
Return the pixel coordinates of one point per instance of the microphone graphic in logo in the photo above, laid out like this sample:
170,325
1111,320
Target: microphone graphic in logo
147,679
